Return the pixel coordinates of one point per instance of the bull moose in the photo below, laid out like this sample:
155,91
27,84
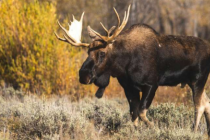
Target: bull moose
142,59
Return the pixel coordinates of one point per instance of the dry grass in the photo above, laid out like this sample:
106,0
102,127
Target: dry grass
31,117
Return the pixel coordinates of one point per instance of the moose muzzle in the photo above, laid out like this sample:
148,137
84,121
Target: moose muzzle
86,73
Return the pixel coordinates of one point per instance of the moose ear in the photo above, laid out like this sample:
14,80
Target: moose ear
92,34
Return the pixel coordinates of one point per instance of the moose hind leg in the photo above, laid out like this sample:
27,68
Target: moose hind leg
204,108
144,118
207,112
199,110
201,103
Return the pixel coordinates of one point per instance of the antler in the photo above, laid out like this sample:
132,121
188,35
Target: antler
73,36
109,38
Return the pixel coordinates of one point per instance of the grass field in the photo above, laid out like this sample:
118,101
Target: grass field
54,118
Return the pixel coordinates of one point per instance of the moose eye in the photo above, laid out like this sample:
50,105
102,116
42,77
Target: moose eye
101,57
102,54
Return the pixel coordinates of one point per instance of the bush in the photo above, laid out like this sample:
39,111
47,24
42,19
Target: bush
58,118
31,56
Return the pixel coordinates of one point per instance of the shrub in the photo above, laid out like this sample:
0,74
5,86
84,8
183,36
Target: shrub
31,56
58,118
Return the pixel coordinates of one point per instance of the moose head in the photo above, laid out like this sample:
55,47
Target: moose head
97,67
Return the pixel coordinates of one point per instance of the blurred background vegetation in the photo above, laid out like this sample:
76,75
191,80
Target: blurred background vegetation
33,60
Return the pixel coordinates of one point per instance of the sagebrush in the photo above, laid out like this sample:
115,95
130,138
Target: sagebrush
32,117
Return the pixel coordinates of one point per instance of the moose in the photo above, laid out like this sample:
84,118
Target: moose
142,60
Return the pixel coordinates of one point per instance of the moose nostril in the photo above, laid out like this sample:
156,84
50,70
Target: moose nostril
83,72
85,76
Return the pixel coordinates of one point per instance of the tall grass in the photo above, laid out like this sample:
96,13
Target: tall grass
31,117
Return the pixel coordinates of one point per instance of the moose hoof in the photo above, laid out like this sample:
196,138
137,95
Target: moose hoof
136,122
150,124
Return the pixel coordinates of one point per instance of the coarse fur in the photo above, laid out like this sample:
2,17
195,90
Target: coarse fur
142,59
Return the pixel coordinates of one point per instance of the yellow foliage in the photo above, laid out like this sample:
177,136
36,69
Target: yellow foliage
31,56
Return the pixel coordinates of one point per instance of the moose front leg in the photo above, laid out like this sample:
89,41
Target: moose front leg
148,93
133,98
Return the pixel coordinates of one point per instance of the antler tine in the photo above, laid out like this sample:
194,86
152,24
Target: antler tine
73,17
128,13
65,31
104,28
71,42
102,37
121,27
124,19
82,16
111,29
118,17
74,43
62,39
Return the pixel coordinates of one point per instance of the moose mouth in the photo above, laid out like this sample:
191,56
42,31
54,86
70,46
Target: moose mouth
87,80
92,80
